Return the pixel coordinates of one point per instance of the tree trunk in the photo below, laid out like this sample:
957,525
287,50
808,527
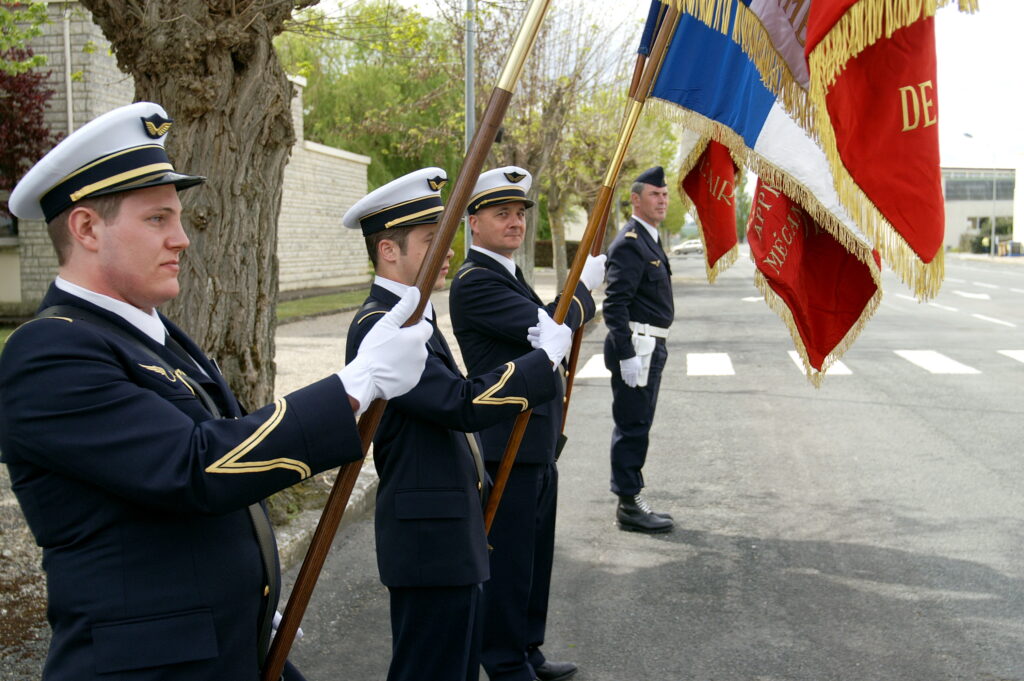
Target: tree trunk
212,65
557,223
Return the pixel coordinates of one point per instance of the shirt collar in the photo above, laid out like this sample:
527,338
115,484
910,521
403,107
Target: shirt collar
148,323
653,231
508,263
399,290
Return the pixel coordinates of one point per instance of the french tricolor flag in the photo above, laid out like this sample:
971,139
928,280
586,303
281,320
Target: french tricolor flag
815,267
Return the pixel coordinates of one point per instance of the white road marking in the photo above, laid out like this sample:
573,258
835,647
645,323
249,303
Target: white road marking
935,362
994,320
708,364
984,285
906,297
1017,290
1013,354
752,299
954,280
947,308
973,296
837,368
594,368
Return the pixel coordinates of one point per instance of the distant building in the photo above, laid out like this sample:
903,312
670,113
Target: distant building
974,196
314,250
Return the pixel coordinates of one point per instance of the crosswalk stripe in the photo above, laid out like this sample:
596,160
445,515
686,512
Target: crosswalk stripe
994,320
947,308
973,296
1013,354
1017,290
708,364
837,368
935,362
594,368
984,285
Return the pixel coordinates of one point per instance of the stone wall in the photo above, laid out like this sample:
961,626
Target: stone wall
320,183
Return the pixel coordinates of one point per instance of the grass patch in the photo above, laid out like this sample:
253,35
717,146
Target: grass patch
314,305
5,332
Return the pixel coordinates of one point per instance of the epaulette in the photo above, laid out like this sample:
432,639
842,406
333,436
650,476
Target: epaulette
466,270
629,235
368,310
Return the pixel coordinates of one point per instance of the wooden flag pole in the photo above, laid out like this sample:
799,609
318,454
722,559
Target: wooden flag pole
448,224
596,222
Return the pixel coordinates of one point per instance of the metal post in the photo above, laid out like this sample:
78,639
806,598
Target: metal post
992,241
470,103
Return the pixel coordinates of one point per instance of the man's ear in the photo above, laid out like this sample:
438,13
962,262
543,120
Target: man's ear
82,225
473,220
387,251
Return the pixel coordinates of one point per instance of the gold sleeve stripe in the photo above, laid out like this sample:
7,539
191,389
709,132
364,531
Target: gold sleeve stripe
230,462
370,314
583,314
468,271
486,396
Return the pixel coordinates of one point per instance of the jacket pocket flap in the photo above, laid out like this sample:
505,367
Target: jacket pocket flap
154,641
430,503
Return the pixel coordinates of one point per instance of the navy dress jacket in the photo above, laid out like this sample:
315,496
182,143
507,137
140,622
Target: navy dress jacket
491,311
639,289
429,521
139,497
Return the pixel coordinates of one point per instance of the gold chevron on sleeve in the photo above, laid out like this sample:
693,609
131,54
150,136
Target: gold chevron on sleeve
231,462
486,396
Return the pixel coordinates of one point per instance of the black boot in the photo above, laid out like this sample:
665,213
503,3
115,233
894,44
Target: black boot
635,514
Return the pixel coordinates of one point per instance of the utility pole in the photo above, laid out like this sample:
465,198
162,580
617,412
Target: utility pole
470,103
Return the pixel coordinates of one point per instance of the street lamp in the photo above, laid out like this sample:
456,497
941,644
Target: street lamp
992,238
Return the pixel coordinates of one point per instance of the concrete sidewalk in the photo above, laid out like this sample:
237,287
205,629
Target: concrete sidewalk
310,349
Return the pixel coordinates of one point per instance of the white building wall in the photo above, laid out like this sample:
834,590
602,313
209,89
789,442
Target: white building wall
320,183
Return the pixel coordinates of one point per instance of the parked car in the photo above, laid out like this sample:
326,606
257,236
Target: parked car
688,246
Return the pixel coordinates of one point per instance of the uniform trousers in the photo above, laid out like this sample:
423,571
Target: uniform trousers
435,633
633,414
516,597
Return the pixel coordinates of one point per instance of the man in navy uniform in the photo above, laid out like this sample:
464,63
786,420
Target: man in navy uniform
431,544
138,472
638,310
492,306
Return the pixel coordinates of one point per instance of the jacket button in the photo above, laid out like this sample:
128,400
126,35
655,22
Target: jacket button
266,591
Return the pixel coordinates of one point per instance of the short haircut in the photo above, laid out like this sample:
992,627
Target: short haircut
638,188
107,207
400,235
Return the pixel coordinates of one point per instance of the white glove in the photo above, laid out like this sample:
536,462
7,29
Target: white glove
552,338
593,271
390,358
630,370
277,623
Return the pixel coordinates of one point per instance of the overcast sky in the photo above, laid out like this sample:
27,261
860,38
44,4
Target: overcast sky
980,77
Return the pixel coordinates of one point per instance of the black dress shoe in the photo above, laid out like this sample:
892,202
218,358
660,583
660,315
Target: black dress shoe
555,671
635,515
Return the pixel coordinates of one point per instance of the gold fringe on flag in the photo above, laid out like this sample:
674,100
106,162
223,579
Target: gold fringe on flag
777,305
728,258
755,41
864,24
747,158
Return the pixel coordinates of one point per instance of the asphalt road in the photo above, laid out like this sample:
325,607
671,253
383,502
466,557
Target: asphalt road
868,530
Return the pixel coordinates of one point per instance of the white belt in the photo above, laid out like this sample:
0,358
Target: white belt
648,330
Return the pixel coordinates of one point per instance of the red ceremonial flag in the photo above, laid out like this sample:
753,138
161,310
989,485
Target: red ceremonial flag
822,290
873,92
711,185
